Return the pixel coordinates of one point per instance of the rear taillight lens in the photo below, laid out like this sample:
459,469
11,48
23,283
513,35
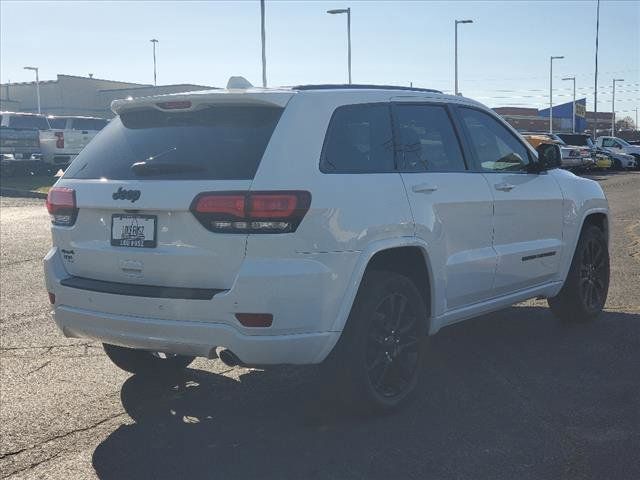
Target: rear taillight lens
59,139
251,212
61,205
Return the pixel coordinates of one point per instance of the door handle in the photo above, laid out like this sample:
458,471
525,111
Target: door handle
424,188
504,187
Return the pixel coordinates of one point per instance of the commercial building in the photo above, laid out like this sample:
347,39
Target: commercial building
534,120
74,95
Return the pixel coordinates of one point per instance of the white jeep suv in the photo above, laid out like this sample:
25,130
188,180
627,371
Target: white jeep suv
316,224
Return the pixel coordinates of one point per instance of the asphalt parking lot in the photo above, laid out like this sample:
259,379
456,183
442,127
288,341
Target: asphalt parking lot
513,395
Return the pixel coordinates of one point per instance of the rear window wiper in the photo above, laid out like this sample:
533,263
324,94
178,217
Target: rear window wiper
159,168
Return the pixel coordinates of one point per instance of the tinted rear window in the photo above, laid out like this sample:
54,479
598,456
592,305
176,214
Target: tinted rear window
88,124
58,123
226,142
579,140
28,121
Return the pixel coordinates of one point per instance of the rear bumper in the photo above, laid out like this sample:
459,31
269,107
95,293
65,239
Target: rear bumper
193,338
303,295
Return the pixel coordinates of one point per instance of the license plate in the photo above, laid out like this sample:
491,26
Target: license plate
137,231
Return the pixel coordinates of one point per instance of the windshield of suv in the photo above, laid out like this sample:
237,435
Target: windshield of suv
623,142
216,143
33,122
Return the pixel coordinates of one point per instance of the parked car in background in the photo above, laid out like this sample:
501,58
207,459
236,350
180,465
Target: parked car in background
70,135
20,141
602,158
572,158
347,238
621,150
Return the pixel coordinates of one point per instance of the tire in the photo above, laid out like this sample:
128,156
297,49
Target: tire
143,362
584,292
617,164
377,362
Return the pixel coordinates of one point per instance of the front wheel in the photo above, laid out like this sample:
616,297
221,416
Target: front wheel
585,290
377,362
143,362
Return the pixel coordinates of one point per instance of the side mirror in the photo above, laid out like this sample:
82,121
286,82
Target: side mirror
549,156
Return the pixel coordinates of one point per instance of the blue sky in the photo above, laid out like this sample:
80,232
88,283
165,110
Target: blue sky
503,56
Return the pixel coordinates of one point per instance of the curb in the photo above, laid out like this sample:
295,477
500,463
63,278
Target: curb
13,192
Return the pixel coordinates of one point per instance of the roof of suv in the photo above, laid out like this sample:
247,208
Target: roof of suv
277,97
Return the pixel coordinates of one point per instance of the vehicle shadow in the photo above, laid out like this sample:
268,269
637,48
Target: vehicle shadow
512,395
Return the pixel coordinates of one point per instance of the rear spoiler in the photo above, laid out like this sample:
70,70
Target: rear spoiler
192,101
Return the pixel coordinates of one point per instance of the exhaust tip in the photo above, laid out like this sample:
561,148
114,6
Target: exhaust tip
229,358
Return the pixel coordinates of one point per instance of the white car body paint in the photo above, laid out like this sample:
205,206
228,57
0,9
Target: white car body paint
473,238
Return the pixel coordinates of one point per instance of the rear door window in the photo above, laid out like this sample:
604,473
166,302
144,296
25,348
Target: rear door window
426,141
359,140
216,143
88,123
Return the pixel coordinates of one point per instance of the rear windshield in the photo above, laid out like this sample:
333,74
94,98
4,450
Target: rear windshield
58,123
578,140
28,121
88,124
216,143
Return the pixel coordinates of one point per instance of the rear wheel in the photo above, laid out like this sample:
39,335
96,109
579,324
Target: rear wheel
377,362
584,293
143,362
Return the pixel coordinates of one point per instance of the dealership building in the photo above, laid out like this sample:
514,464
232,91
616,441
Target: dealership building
74,95
534,120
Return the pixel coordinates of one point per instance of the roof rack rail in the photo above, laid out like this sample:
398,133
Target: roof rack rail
337,86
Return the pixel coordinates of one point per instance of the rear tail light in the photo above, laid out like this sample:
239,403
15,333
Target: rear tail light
59,139
61,205
52,298
251,212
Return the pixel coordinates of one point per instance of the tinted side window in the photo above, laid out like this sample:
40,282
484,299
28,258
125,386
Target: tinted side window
426,140
495,147
608,142
28,122
359,140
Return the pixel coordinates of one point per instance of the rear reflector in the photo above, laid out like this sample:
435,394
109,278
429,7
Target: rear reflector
251,212
52,298
176,105
61,205
255,319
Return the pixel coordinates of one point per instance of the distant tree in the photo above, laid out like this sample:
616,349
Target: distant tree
625,123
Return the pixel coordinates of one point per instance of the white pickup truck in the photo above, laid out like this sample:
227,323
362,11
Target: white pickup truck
626,154
70,136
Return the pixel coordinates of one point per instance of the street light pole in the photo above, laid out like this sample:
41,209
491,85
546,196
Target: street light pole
551,59
574,101
595,88
35,69
154,41
613,107
456,52
348,12
264,52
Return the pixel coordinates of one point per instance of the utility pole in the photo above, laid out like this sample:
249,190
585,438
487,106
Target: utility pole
551,59
613,106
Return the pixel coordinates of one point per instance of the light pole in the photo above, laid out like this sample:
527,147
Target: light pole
348,12
574,101
613,107
595,88
456,53
551,59
35,69
264,52
154,41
